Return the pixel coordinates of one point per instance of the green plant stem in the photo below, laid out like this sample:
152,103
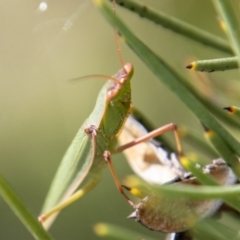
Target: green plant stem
227,14
230,196
178,26
21,212
205,192
235,111
212,65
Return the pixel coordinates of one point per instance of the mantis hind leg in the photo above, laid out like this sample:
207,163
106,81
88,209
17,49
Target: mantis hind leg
149,154
155,133
78,194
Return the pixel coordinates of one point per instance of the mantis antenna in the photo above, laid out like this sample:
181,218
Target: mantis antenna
117,37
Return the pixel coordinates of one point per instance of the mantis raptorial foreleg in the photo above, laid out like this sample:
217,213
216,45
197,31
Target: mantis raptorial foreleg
107,157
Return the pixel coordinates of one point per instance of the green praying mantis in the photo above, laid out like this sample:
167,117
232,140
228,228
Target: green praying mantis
84,159
81,165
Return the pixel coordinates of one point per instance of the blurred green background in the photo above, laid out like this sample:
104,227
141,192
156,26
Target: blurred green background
40,111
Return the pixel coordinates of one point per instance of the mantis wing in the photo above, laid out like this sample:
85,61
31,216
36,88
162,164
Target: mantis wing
77,168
